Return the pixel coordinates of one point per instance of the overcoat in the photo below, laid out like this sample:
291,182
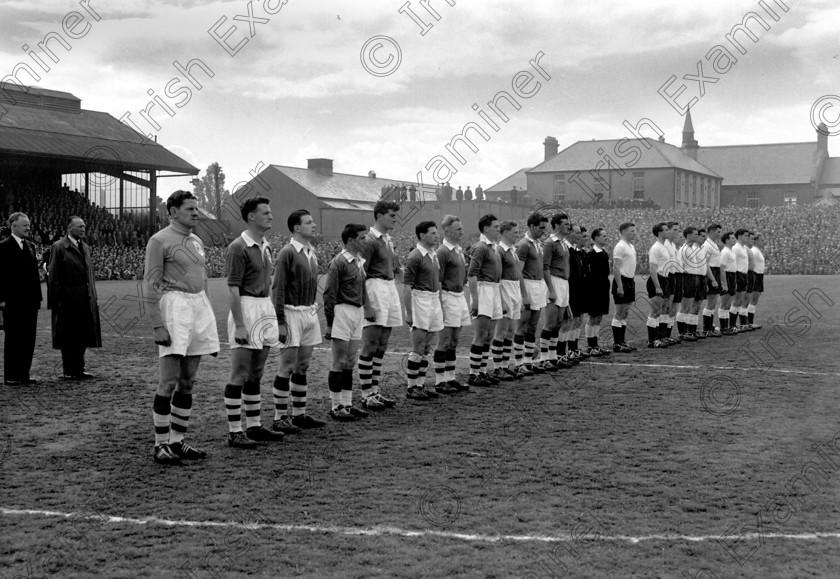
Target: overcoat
71,296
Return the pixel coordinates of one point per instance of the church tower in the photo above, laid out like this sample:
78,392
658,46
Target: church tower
689,143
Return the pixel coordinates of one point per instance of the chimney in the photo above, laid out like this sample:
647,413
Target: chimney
822,139
321,166
551,147
661,138
372,174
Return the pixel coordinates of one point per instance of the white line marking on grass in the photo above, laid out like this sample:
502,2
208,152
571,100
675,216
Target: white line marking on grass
382,530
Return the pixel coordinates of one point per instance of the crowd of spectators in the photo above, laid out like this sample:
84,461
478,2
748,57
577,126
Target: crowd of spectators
799,240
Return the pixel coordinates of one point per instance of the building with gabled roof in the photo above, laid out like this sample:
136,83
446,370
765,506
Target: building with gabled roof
623,171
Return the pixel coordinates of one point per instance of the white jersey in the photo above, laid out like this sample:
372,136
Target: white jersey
758,258
673,264
627,254
660,257
712,252
742,260
727,260
693,258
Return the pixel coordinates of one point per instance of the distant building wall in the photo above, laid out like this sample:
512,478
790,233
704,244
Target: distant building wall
771,195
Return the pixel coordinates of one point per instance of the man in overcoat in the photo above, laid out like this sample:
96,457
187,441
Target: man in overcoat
20,298
71,295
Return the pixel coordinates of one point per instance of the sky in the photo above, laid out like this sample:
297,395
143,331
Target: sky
362,84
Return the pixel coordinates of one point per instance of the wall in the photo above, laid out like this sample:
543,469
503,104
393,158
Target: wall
659,186
771,195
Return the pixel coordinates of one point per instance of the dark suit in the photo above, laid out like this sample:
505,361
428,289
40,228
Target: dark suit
20,288
71,296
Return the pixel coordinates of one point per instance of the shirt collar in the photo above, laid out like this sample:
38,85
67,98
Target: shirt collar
566,242
554,237
249,241
423,251
73,240
350,257
505,247
451,246
483,239
378,234
18,239
597,249
300,247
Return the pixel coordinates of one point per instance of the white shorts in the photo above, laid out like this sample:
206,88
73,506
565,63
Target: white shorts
561,290
489,300
456,312
385,301
191,324
348,322
302,325
511,298
426,312
260,321
538,292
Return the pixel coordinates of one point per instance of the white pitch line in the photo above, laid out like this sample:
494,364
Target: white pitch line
383,530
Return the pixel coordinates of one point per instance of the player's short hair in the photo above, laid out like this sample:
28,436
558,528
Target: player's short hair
351,231
755,235
740,232
251,205
573,225
625,226
423,228
596,232
712,227
689,230
536,219
295,217
486,221
583,229
177,199
506,226
15,216
383,206
671,224
448,220
659,228
558,217
71,218
726,236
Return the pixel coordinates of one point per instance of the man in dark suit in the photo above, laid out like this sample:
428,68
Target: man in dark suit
71,295
20,296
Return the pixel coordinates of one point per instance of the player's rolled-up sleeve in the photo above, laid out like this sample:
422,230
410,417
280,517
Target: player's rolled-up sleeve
235,262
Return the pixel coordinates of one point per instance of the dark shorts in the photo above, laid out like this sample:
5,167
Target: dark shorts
740,282
663,283
700,283
750,281
628,285
689,285
577,299
597,301
730,282
758,287
675,286
710,289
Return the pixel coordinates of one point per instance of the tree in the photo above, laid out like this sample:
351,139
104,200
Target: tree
210,189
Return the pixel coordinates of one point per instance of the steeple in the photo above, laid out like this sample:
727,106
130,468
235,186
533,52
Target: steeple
689,144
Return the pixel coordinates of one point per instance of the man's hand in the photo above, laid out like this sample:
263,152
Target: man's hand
370,315
714,283
552,297
162,337
328,335
474,312
240,336
408,319
659,291
619,289
283,333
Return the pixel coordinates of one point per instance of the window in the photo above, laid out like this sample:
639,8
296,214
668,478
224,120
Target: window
790,200
560,188
638,184
753,200
691,199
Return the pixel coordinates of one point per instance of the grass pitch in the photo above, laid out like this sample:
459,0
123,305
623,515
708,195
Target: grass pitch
714,459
